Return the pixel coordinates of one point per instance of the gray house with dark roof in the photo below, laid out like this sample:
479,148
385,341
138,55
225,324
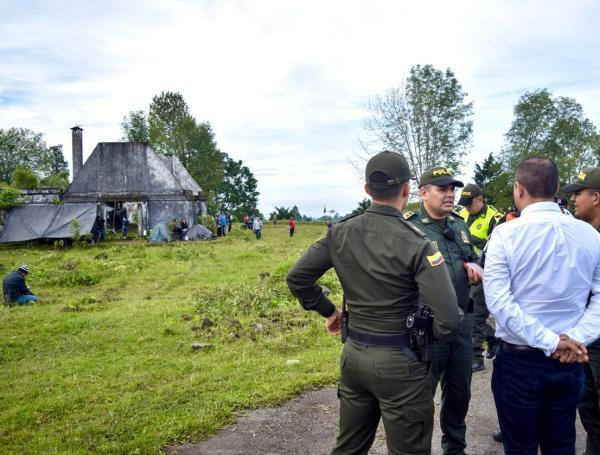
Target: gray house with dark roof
154,188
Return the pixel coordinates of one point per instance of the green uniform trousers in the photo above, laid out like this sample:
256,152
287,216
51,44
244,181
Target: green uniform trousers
482,331
589,406
451,367
380,382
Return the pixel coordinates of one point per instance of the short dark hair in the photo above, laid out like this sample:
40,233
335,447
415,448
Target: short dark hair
380,190
539,176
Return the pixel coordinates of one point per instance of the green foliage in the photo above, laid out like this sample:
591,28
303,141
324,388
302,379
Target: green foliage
173,131
9,197
495,181
553,127
20,147
135,127
362,206
60,180
58,164
206,163
427,119
25,179
281,213
208,222
237,193
75,230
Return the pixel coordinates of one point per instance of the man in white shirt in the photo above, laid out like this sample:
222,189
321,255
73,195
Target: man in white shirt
539,272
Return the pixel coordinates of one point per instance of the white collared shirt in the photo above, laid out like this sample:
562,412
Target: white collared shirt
539,271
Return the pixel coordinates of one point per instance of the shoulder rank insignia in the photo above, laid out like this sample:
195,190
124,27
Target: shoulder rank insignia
464,237
435,245
408,215
436,259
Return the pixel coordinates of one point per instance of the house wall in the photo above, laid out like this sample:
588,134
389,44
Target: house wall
165,211
40,195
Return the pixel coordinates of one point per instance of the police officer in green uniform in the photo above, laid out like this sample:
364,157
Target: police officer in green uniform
451,364
386,268
586,197
481,219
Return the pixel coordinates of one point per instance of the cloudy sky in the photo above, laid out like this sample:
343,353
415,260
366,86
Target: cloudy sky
284,84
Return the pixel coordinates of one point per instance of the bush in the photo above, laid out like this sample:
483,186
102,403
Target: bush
9,197
58,180
75,229
25,179
208,222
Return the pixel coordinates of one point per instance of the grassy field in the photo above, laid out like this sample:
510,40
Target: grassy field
104,364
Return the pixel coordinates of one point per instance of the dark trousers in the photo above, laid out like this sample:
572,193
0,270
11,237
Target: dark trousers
589,406
536,400
382,383
292,232
451,367
482,331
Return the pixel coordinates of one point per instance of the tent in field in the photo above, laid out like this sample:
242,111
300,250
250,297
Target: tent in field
198,232
160,233
47,221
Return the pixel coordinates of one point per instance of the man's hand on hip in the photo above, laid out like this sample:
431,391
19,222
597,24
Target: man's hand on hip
333,323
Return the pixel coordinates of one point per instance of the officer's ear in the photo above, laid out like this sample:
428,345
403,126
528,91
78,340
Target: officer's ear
367,189
405,190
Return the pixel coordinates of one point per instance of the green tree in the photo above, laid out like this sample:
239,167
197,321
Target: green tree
296,213
58,164
427,119
207,163
135,127
553,127
171,126
59,169
237,193
362,206
281,213
495,182
173,131
25,179
20,147
9,197
59,180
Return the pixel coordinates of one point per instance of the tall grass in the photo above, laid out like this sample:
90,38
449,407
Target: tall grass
105,364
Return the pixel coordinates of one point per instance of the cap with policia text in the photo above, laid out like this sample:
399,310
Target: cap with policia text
387,169
588,178
439,176
470,192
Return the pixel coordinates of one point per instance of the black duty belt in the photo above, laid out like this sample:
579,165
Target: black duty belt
397,340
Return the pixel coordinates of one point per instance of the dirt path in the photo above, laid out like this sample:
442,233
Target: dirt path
308,425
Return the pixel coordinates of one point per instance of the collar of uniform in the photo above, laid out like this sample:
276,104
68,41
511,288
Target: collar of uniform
426,218
482,212
383,210
548,206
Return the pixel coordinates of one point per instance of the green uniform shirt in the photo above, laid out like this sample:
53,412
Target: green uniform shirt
384,265
456,252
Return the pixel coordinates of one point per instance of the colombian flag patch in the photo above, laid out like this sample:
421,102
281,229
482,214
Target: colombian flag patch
436,259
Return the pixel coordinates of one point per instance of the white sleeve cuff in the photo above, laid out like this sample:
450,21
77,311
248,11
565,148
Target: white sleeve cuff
550,344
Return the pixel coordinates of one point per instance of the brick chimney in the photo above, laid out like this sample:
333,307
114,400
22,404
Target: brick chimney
77,137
